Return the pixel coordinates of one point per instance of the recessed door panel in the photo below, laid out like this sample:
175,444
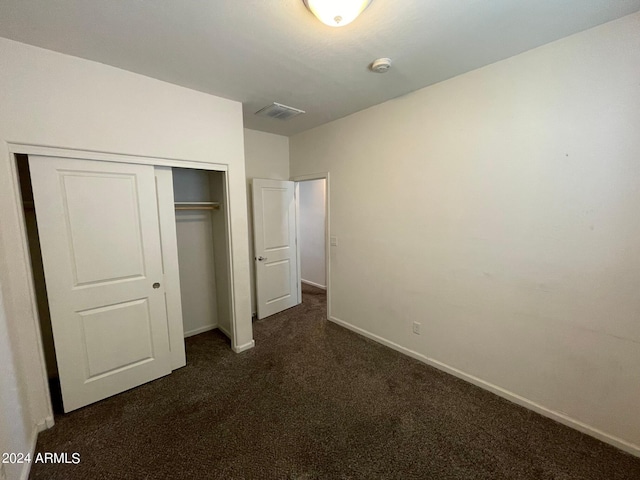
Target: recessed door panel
280,288
116,336
277,232
111,208
100,240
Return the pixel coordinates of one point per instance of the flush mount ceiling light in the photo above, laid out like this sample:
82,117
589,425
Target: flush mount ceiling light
336,13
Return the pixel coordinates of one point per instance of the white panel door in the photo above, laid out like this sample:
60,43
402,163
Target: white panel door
100,241
276,255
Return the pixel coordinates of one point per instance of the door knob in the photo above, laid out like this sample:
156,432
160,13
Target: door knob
156,285
261,258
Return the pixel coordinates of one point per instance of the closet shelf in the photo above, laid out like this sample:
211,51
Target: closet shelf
197,205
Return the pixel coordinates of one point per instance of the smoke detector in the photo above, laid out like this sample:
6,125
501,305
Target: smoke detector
381,65
279,111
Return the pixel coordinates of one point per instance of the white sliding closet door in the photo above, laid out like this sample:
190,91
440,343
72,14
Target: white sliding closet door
100,241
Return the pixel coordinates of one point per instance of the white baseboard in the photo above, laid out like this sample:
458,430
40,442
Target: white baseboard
524,402
45,424
199,330
245,347
313,284
225,331
26,467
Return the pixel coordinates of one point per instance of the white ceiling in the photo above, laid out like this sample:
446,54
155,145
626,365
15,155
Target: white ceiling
261,51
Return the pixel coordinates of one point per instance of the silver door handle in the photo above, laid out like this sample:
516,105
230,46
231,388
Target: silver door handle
261,258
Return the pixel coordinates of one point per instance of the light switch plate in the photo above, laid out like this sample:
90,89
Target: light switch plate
334,241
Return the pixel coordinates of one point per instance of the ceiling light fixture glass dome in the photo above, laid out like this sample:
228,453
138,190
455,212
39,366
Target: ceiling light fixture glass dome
337,13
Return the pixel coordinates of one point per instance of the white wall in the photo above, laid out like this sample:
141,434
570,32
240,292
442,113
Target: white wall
16,431
197,271
266,156
500,210
312,235
55,100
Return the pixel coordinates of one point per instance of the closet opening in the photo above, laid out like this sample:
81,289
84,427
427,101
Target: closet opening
203,257
188,292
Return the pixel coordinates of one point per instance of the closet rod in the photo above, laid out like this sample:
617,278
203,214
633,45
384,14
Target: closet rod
197,206
212,207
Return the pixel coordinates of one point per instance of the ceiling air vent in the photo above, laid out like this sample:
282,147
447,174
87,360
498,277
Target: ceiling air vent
279,111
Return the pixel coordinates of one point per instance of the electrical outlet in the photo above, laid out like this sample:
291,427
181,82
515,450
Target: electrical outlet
416,328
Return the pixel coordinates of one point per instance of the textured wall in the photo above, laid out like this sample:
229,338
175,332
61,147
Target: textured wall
266,156
500,210
56,100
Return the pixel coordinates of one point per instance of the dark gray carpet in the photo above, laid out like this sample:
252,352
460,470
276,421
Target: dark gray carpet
313,400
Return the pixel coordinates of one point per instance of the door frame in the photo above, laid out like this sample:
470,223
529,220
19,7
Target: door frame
28,149
327,234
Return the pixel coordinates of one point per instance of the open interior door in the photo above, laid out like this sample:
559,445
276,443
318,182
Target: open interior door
275,246
100,241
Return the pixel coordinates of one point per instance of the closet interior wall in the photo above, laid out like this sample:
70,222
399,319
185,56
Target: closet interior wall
202,251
